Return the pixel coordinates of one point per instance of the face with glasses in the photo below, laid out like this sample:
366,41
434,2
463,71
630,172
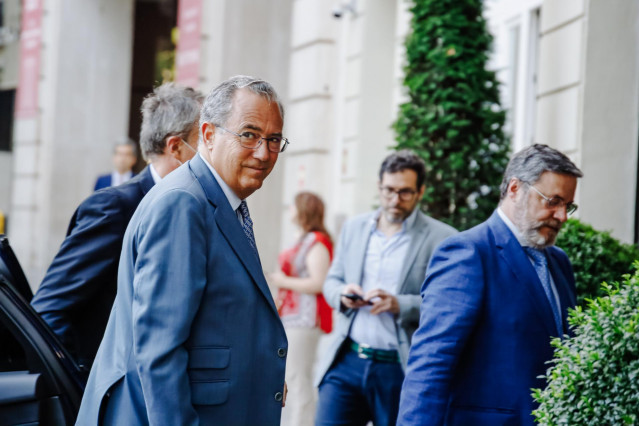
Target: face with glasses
399,195
543,207
244,150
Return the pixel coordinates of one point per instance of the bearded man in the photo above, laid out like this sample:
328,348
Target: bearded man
493,298
374,281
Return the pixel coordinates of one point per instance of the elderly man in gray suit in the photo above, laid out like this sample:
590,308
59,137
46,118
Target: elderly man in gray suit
374,283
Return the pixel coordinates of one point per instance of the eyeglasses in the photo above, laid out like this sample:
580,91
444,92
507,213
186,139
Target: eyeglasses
251,140
556,202
403,194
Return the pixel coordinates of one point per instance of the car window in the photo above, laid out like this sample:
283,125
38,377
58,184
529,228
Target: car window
12,356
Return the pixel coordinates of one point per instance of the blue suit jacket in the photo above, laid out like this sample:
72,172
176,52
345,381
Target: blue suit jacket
104,181
484,333
77,293
194,335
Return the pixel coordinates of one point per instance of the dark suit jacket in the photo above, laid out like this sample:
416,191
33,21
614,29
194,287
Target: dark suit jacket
484,333
77,292
194,336
103,181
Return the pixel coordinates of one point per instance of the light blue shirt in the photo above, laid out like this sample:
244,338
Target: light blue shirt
382,269
524,243
233,199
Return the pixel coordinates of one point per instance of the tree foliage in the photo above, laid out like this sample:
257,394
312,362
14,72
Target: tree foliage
595,256
453,118
594,378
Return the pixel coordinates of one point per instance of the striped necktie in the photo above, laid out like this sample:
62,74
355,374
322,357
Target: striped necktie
541,267
247,225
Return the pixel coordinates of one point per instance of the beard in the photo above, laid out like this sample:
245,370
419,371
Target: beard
397,216
530,228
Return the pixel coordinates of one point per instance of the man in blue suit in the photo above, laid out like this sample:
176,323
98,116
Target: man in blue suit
493,298
77,293
194,336
124,158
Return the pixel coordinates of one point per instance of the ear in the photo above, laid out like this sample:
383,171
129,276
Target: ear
420,193
514,187
173,145
208,134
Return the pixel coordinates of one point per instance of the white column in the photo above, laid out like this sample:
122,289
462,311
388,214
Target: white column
84,102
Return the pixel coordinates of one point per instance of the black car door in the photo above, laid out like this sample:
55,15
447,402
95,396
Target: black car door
39,382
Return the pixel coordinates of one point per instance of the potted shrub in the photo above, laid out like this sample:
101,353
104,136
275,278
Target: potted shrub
594,375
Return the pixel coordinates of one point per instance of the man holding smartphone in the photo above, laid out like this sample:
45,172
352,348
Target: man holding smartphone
374,284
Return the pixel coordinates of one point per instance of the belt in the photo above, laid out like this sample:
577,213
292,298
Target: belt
380,355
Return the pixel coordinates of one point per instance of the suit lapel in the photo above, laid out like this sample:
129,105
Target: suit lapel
361,245
228,223
145,180
513,255
417,240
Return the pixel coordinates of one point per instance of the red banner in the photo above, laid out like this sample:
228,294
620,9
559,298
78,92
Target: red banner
188,48
30,41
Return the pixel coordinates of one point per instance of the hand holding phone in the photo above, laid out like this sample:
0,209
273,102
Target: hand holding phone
356,297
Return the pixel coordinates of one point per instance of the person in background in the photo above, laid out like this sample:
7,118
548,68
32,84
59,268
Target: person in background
304,312
77,292
493,298
125,155
374,281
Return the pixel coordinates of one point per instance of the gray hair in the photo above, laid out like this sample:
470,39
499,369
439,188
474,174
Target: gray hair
217,106
127,142
171,110
530,163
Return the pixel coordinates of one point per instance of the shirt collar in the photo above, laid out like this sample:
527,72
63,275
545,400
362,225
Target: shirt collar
154,174
233,199
512,227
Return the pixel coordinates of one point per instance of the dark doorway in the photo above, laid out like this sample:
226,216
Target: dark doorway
153,55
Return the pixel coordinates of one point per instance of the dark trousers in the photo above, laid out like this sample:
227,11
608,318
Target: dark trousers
355,391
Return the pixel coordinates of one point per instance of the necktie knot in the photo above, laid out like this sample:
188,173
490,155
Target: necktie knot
539,256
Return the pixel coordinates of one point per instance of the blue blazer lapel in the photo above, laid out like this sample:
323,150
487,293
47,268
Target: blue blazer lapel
230,226
514,256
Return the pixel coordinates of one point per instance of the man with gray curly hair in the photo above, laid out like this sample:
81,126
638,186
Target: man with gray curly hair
77,293
493,298
194,336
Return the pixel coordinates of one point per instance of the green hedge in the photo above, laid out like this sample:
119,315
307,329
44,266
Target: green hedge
595,256
594,378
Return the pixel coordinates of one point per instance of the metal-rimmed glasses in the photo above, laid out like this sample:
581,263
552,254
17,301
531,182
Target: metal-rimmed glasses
251,140
403,194
556,202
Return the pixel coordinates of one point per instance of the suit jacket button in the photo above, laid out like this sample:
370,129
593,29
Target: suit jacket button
281,352
278,397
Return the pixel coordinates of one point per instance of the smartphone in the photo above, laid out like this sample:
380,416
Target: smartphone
355,297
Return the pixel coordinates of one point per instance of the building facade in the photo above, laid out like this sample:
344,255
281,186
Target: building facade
569,70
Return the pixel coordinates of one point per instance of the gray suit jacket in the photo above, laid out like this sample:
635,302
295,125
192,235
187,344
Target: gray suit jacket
426,234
